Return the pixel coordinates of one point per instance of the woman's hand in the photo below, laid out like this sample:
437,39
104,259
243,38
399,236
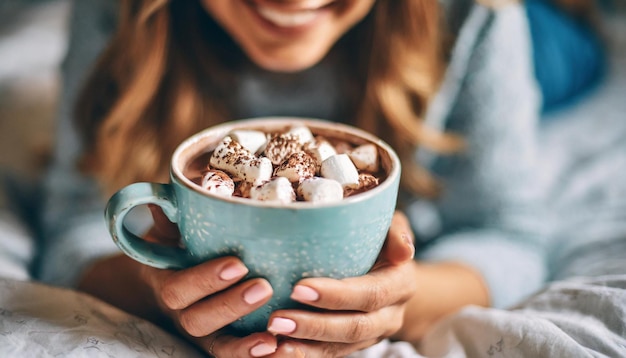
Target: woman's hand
203,299
354,313
198,301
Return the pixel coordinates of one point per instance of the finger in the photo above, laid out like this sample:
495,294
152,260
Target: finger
163,229
343,327
180,289
383,287
301,349
255,345
399,245
221,309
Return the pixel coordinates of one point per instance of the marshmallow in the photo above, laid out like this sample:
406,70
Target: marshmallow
236,160
217,182
320,190
342,147
250,139
366,182
365,157
296,167
277,189
302,132
320,149
280,146
339,167
322,170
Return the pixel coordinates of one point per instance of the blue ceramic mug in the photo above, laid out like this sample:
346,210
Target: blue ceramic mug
282,243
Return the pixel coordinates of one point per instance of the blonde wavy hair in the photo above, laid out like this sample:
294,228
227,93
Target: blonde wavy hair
143,96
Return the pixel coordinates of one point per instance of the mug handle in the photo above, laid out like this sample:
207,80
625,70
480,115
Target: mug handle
151,254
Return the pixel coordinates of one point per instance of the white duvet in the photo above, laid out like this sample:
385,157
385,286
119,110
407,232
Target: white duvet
574,318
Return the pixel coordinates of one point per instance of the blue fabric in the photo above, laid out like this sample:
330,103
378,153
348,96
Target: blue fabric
569,58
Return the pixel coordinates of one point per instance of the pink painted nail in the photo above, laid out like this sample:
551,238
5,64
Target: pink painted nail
233,271
409,242
256,293
281,326
262,349
304,293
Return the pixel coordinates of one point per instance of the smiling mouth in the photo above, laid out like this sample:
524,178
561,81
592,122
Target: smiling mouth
287,17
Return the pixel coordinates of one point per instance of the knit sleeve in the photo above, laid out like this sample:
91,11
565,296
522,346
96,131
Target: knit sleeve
489,215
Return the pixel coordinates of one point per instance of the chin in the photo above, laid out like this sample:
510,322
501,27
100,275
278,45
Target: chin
286,67
293,63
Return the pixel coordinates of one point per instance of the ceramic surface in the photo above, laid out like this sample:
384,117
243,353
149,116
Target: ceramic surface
282,243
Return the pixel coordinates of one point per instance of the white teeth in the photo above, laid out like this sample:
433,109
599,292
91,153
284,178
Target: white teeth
287,19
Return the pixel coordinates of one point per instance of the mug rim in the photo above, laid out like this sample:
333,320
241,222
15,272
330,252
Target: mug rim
176,171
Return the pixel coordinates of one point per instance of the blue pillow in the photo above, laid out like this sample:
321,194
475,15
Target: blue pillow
568,55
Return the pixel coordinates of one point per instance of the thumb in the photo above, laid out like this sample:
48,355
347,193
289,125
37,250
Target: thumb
399,246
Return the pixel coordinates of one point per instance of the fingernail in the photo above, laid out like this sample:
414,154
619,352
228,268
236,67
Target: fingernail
262,349
232,271
292,350
409,242
256,293
304,293
282,325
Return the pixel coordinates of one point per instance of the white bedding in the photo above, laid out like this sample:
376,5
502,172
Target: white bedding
575,318
43,321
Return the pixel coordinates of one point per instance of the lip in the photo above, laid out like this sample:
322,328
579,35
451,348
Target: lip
313,12
288,6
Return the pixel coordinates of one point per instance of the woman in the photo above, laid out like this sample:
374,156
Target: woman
173,68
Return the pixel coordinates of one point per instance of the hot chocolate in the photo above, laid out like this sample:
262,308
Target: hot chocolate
287,166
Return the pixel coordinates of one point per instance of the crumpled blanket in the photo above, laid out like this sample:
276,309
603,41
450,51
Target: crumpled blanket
574,318
43,321
584,317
